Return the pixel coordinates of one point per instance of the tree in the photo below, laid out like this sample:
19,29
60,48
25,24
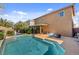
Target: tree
21,27
6,23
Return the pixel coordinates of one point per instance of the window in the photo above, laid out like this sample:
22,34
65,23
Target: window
62,13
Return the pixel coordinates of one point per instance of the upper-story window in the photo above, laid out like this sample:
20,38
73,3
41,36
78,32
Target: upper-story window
62,13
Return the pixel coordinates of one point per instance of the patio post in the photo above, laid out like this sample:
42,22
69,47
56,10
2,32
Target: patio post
40,29
33,31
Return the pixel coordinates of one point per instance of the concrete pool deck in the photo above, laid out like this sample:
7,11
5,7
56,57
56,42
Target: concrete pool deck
43,36
71,46
1,42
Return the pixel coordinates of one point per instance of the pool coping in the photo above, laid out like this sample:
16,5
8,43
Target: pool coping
51,39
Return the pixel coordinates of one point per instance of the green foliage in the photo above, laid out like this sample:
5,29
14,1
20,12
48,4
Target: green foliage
6,23
29,30
21,26
10,33
1,35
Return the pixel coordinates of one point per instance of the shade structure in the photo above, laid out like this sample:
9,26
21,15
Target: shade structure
40,28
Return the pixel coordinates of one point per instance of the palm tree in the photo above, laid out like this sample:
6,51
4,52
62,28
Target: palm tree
1,22
6,23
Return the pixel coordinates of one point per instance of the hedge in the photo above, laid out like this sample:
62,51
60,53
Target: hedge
29,31
10,33
1,35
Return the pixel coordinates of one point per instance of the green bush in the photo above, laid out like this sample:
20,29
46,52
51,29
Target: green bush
29,31
10,33
1,35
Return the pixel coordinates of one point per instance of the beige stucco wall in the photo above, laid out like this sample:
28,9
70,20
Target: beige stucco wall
58,24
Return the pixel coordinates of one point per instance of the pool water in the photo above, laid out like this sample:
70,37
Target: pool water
28,45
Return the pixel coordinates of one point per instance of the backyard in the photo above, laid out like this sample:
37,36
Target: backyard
50,34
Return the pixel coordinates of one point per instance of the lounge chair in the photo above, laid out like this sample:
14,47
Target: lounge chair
54,35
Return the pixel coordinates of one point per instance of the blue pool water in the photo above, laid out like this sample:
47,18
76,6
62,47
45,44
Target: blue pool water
27,45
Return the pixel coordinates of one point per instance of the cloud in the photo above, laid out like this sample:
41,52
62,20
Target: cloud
20,12
77,14
49,9
15,16
76,19
6,15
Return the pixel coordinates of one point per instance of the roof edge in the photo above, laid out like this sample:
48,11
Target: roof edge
72,5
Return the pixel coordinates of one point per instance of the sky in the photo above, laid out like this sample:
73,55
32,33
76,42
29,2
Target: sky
27,11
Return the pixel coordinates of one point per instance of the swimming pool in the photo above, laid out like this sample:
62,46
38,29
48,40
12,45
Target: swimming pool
28,45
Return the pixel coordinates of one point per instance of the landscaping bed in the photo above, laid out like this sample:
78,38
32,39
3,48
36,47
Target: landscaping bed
1,35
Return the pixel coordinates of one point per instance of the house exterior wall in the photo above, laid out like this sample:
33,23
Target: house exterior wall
58,24
32,23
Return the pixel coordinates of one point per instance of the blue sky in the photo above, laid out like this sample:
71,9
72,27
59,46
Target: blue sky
27,11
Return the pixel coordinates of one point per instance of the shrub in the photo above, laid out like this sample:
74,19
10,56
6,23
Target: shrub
29,31
10,33
1,35
23,31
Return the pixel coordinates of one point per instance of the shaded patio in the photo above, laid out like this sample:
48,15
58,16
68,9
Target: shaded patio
40,28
